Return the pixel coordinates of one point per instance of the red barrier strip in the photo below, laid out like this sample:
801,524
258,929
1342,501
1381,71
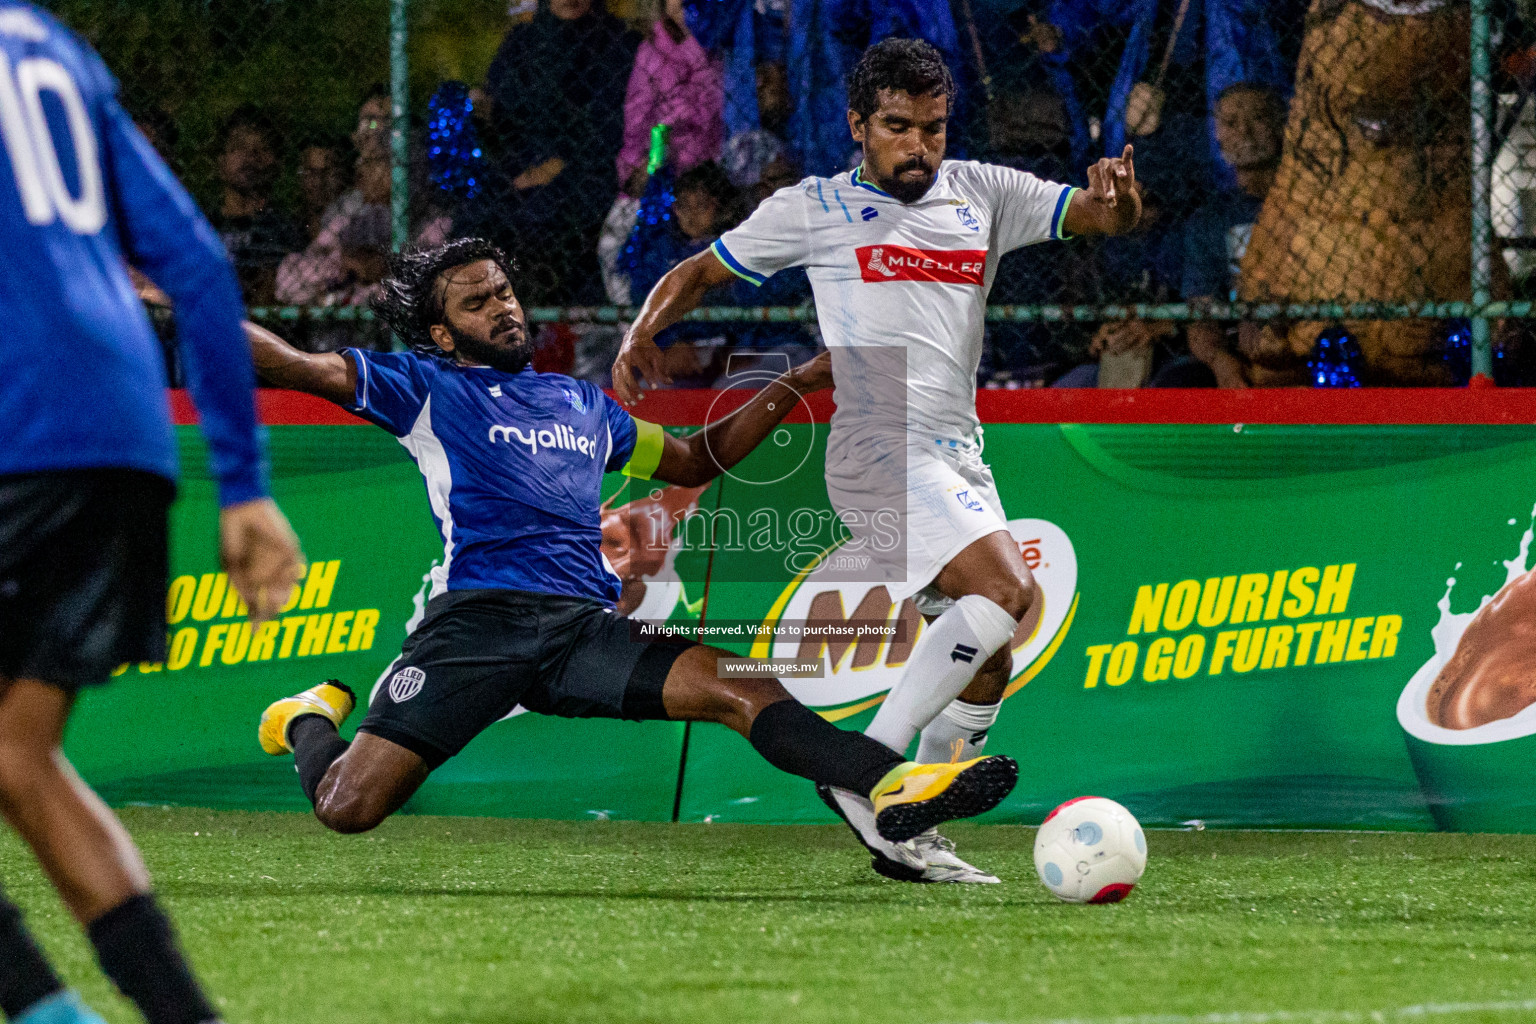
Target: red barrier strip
1056,405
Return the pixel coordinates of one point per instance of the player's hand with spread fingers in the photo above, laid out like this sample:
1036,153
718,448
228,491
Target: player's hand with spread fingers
258,549
638,352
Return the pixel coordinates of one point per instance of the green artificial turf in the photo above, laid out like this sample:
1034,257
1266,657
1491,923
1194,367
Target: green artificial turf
470,920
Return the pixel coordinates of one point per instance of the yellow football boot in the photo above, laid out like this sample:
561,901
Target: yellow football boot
331,699
912,798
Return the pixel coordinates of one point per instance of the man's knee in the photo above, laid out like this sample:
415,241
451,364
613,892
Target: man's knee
1012,594
737,702
348,810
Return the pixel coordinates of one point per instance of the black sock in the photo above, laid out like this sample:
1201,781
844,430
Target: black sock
137,949
795,739
25,977
315,746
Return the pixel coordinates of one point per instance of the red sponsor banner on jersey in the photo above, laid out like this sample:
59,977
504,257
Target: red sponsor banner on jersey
900,263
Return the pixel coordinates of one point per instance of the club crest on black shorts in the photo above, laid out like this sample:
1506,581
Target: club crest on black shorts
406,684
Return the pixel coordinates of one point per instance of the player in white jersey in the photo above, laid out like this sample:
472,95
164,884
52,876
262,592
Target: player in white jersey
901,253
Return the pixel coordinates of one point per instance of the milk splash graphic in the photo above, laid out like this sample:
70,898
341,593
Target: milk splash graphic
1447,632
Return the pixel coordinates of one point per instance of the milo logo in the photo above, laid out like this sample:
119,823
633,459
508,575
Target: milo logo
861,667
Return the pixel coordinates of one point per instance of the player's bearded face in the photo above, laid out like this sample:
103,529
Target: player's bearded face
507,348
904,142
483,319
910,181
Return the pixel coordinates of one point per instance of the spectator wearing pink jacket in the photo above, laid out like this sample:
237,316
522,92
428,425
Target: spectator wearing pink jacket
676,83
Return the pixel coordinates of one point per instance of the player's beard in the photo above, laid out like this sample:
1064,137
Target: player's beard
509,355
909,190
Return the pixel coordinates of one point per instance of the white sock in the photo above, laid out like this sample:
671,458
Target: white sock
943,663
958,734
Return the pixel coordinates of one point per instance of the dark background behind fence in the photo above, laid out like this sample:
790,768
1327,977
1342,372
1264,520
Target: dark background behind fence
1291,153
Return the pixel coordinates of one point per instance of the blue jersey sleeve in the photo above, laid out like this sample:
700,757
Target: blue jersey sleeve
392,387
621,428
163,233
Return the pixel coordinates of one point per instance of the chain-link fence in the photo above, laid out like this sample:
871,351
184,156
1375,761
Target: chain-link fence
1335,192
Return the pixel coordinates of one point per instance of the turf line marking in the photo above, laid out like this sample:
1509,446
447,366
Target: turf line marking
1414,1012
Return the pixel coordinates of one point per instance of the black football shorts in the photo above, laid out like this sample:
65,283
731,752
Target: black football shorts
83,564
477,654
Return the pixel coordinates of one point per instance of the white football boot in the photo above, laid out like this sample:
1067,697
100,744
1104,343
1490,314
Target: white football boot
928,858
941,864
893,860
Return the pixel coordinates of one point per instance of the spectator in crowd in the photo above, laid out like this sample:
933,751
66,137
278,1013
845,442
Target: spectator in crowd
677,221
748,35
1175,57
256,234
322,181
827,38
754,343
556,87
749,152
349,255
1144,265
374,121
1250,122
675,83
1027,129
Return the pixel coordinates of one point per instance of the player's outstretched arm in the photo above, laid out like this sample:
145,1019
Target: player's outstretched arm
330,375
674,296
1110,205
695,460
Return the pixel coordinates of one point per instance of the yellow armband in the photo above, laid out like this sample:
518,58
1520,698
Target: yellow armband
649,440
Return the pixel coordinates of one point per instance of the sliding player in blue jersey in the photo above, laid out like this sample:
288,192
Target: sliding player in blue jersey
522,606
87,470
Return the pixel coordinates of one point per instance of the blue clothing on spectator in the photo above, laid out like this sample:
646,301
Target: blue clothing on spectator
1233,38
1146,266
828,37
789,287
1215,239
513,464
655,246
82,377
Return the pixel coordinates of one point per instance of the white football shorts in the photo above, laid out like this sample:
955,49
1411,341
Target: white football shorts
950,502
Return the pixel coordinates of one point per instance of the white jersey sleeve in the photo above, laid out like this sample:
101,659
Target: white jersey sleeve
776,236
1025,209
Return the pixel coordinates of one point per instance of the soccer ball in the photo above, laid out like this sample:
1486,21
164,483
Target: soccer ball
1090,850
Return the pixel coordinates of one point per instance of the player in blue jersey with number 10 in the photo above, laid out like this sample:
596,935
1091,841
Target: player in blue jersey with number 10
87,470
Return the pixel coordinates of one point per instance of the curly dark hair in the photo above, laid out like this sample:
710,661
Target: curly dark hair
410,298
911,66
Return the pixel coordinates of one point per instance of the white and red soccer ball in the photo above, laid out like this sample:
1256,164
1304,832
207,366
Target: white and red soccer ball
1090,850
